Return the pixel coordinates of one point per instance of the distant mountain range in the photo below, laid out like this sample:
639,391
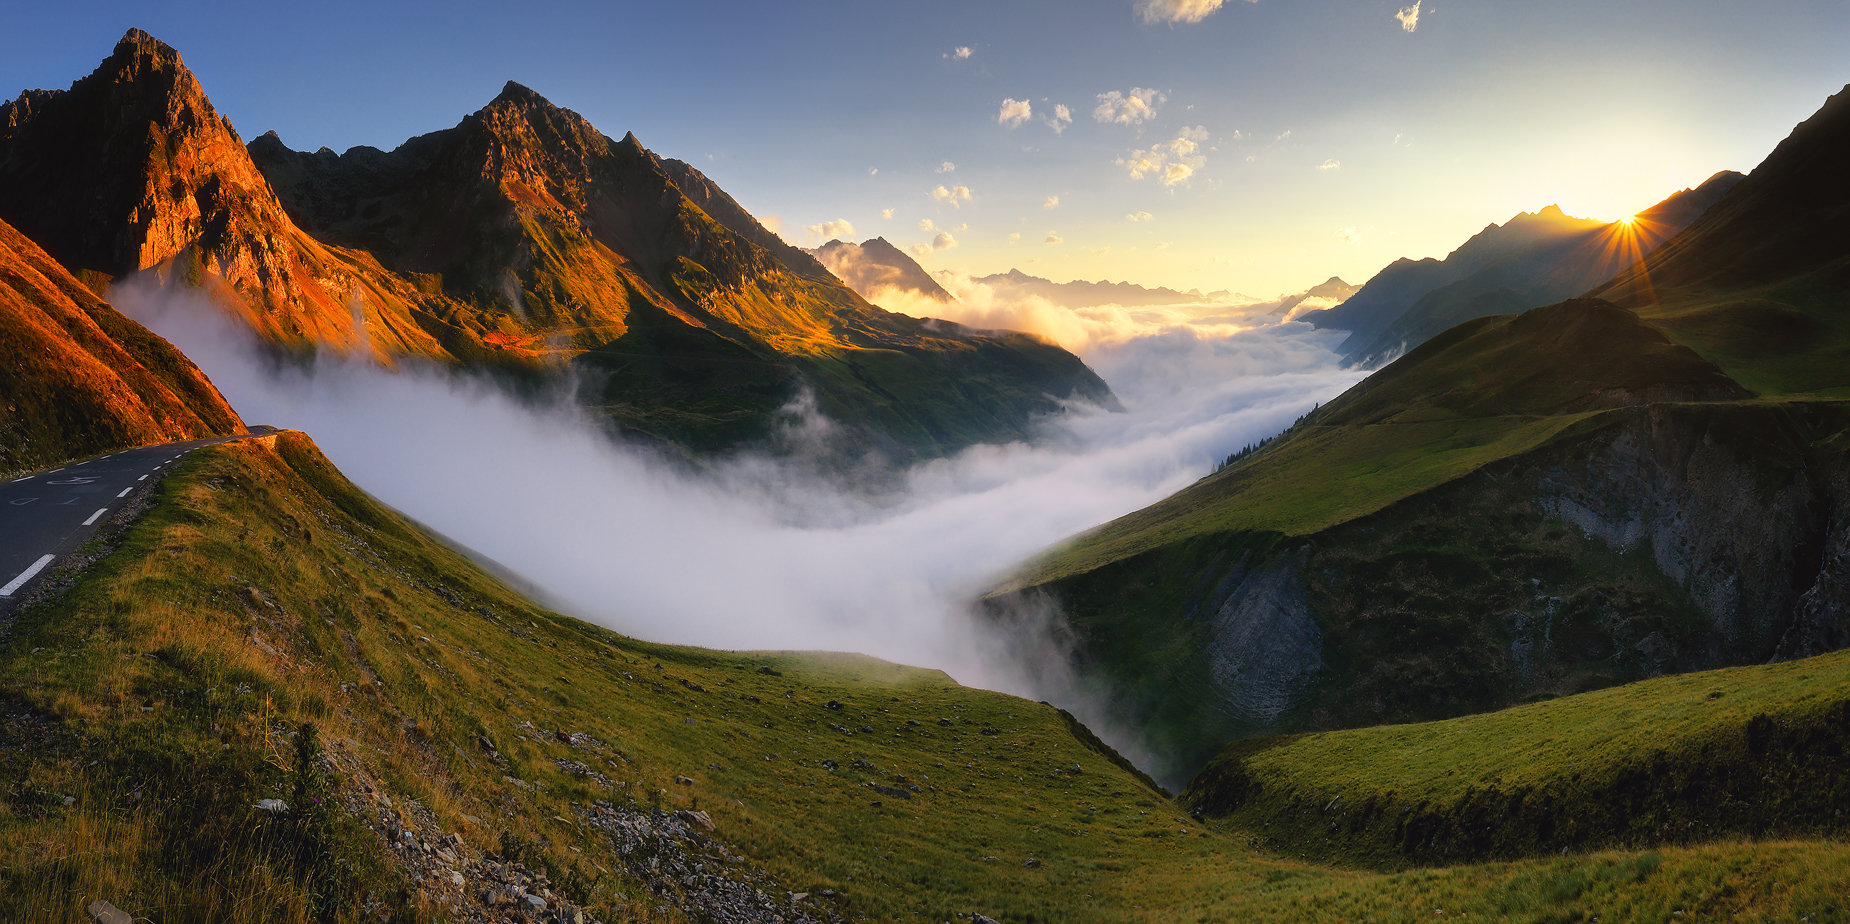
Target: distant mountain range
876,269
522,242
1082,294
1524,505
1533,259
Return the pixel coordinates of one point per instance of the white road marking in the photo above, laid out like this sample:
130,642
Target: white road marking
54,471
125,492
94,516
142,478
25,576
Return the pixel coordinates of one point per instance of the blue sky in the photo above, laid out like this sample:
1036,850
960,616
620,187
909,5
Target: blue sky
1318,137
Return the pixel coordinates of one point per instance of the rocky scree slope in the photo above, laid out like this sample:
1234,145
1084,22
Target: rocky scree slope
79,379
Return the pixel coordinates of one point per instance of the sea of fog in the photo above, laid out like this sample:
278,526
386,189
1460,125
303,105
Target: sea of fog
763,552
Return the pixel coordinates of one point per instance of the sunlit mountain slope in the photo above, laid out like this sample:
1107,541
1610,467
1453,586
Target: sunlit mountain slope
77,378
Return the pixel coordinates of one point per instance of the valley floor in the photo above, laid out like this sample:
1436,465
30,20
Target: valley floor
145,713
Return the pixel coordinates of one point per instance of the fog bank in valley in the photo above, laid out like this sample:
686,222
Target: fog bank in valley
764,552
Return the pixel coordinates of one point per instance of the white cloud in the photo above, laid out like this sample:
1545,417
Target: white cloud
1349,236
1155,11
944,241
952,196
1052,202
1014,112
926,226
810,563
886,213
1139,216
1161,244
1061,118
1014,236
962,53
1053,238
1128,109
772,223
1101,251
1331,164
1282,136
946,167
839,228
921,251
873,171
1409,16
1172,162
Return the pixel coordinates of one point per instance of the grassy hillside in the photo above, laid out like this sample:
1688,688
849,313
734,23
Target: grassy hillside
169,689
1743,752
79,378
1485,390
1508,513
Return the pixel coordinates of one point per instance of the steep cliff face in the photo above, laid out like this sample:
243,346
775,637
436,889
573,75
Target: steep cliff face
78,378
1727,508
1265,645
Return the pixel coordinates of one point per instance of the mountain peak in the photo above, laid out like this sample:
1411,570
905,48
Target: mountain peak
519,95
136,38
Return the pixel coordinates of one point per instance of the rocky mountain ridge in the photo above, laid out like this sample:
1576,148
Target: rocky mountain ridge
523,243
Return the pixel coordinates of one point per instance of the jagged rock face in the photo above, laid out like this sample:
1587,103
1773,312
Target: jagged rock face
132,169
528,208
1740,539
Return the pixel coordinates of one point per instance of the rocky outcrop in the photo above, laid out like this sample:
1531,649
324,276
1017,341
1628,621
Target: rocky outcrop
1265,645
1737,527
1822,620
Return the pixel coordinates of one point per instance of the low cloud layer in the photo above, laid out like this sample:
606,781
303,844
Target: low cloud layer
763,552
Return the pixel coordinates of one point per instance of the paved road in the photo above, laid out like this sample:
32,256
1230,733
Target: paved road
47,516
